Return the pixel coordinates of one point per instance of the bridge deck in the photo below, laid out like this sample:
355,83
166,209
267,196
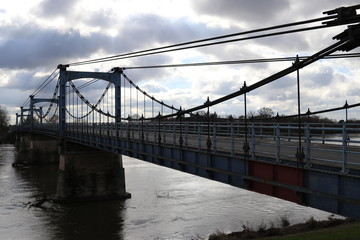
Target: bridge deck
335,151
327,179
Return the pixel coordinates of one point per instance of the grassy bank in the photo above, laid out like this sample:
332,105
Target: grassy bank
333,229
345,231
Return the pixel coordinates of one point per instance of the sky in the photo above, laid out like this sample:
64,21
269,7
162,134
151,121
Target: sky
38,35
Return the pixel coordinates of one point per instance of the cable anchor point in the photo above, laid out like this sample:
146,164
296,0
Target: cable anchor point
63,66
344,15
118,69
352,37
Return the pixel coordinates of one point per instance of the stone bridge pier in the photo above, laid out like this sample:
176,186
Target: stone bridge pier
89,174
84,173
33,149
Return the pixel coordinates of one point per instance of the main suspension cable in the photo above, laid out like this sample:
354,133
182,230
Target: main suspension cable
319,55
152,52
233,62
142,52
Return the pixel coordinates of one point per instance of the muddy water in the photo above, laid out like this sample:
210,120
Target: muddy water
165,204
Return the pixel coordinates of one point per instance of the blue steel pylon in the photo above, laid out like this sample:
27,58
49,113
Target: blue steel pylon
65,76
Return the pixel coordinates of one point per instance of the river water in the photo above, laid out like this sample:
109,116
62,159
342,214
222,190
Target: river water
165,204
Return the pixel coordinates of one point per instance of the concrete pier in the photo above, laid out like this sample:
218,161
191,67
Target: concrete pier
33,149
85,175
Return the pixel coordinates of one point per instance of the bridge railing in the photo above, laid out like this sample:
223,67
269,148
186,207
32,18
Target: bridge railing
333,144
330,144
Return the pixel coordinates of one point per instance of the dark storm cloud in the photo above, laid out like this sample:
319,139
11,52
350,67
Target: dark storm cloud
260,12
252,12
292,44
55,8
103,18
13,98
316,8
23,80
143,29
31,46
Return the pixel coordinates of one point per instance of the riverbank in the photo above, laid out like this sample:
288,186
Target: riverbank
6,137
335,229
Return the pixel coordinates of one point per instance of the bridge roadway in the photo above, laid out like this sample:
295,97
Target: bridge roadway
328,179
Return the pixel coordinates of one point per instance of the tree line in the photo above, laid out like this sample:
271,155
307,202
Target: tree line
265,114
4,125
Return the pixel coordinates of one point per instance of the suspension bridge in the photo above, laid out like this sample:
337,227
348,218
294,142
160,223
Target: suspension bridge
288,156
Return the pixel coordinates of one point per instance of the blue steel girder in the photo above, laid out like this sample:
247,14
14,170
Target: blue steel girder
28,110
50,100
31,110
33,101
335,192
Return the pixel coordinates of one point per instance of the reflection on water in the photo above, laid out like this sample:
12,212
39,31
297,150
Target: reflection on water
165,204
90,221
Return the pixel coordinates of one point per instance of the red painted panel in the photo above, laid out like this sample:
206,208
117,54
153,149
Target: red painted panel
261,188
276,173
289,175
287,194
263,170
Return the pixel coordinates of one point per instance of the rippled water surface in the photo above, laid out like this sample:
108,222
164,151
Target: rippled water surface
165,204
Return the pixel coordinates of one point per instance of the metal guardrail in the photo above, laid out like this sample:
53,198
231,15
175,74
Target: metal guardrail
330,144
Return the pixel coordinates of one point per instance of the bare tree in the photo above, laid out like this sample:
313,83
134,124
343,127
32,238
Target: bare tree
251,114
4,118
265,112
4,124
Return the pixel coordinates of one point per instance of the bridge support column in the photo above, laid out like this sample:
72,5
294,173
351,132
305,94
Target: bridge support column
90,175
36,150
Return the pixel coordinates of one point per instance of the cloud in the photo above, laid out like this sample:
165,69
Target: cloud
103,18
31,46
322,76
68,31
145,30
249,13
55,8
153,87
260,13
316,8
